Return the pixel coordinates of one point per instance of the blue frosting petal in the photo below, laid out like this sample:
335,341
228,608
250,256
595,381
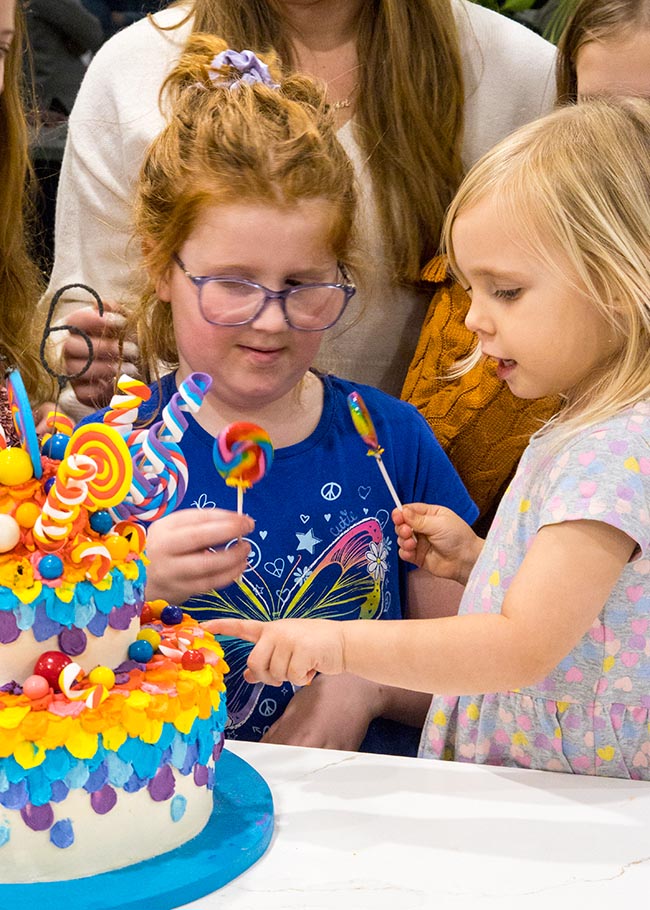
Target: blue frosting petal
25,614
77,776
8,599
118,771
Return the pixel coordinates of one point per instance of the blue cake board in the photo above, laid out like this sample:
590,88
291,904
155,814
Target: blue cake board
237,834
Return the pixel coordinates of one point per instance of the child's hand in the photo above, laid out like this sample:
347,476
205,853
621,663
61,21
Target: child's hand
435,538
287,649
188,555
95,387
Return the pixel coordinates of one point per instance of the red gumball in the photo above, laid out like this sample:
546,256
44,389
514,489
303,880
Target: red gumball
192,660
49,665
147,615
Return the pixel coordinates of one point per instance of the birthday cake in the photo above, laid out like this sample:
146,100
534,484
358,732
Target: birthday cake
112,710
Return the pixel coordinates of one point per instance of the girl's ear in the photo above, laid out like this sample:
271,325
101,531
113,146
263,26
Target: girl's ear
163,285
162,282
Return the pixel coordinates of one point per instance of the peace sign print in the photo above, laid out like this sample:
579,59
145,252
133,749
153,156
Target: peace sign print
268,707
330,491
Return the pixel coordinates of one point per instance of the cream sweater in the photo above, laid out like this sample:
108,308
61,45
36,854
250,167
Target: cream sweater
509,81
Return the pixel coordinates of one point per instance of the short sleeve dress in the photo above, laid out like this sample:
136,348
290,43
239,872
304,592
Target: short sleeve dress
590,715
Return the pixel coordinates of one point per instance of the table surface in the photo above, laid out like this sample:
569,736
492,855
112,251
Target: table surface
375,832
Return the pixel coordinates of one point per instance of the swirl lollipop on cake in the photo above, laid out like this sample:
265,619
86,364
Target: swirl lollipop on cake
159,465
242,454
366,429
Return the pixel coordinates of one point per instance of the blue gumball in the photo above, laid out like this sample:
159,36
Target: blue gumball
50,566
172,616
55,446
141,651
101,521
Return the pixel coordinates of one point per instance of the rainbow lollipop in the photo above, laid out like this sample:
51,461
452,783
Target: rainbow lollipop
242,454
366,429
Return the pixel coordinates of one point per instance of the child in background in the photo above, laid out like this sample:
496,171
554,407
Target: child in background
605,50
245,210
550,234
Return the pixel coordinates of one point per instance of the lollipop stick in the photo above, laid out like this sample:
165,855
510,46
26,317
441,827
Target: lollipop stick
389,482
240,511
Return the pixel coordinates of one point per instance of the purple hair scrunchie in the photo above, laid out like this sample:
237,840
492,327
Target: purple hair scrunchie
247,63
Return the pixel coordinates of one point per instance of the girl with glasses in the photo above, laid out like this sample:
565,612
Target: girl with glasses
245,207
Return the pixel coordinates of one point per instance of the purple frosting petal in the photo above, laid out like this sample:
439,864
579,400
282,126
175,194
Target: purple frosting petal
103,800
97,625
200,775
44,627
9,630
72,641
97,779
163,785
120,618
191,757
59,791
15,796
218,746
12,688
38,818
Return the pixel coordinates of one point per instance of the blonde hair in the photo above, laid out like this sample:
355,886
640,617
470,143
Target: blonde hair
20,279
594,20
408,112
220,146
575,186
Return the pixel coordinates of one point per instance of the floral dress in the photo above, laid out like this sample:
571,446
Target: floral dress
590,715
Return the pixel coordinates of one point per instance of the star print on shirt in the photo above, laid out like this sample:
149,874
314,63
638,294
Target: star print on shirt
307,541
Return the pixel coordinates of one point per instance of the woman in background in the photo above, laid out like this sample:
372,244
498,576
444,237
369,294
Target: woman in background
421,88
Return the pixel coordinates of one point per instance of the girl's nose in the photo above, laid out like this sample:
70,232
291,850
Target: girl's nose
271,318
478,319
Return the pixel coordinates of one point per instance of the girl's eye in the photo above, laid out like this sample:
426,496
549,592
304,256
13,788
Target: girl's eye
507,293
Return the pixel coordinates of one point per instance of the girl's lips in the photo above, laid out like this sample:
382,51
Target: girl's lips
262,355
505,367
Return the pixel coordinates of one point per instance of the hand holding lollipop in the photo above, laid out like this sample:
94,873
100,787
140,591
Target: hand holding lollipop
365,428
242,454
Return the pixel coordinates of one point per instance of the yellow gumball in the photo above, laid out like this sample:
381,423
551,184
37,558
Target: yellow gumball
151,636
117,546
15,467
26,514
102,676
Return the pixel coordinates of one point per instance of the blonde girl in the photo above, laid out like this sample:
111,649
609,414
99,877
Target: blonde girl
245,210
547,664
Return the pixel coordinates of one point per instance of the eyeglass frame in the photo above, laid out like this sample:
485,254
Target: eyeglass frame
199,281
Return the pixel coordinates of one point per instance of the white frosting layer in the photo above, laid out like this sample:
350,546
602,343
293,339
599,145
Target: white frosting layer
18,658
135,829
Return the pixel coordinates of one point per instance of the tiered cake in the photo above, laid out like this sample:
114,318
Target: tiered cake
111,710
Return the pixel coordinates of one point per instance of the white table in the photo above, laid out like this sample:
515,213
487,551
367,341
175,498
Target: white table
371,832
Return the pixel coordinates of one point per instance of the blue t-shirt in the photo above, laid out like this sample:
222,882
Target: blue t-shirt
324,544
